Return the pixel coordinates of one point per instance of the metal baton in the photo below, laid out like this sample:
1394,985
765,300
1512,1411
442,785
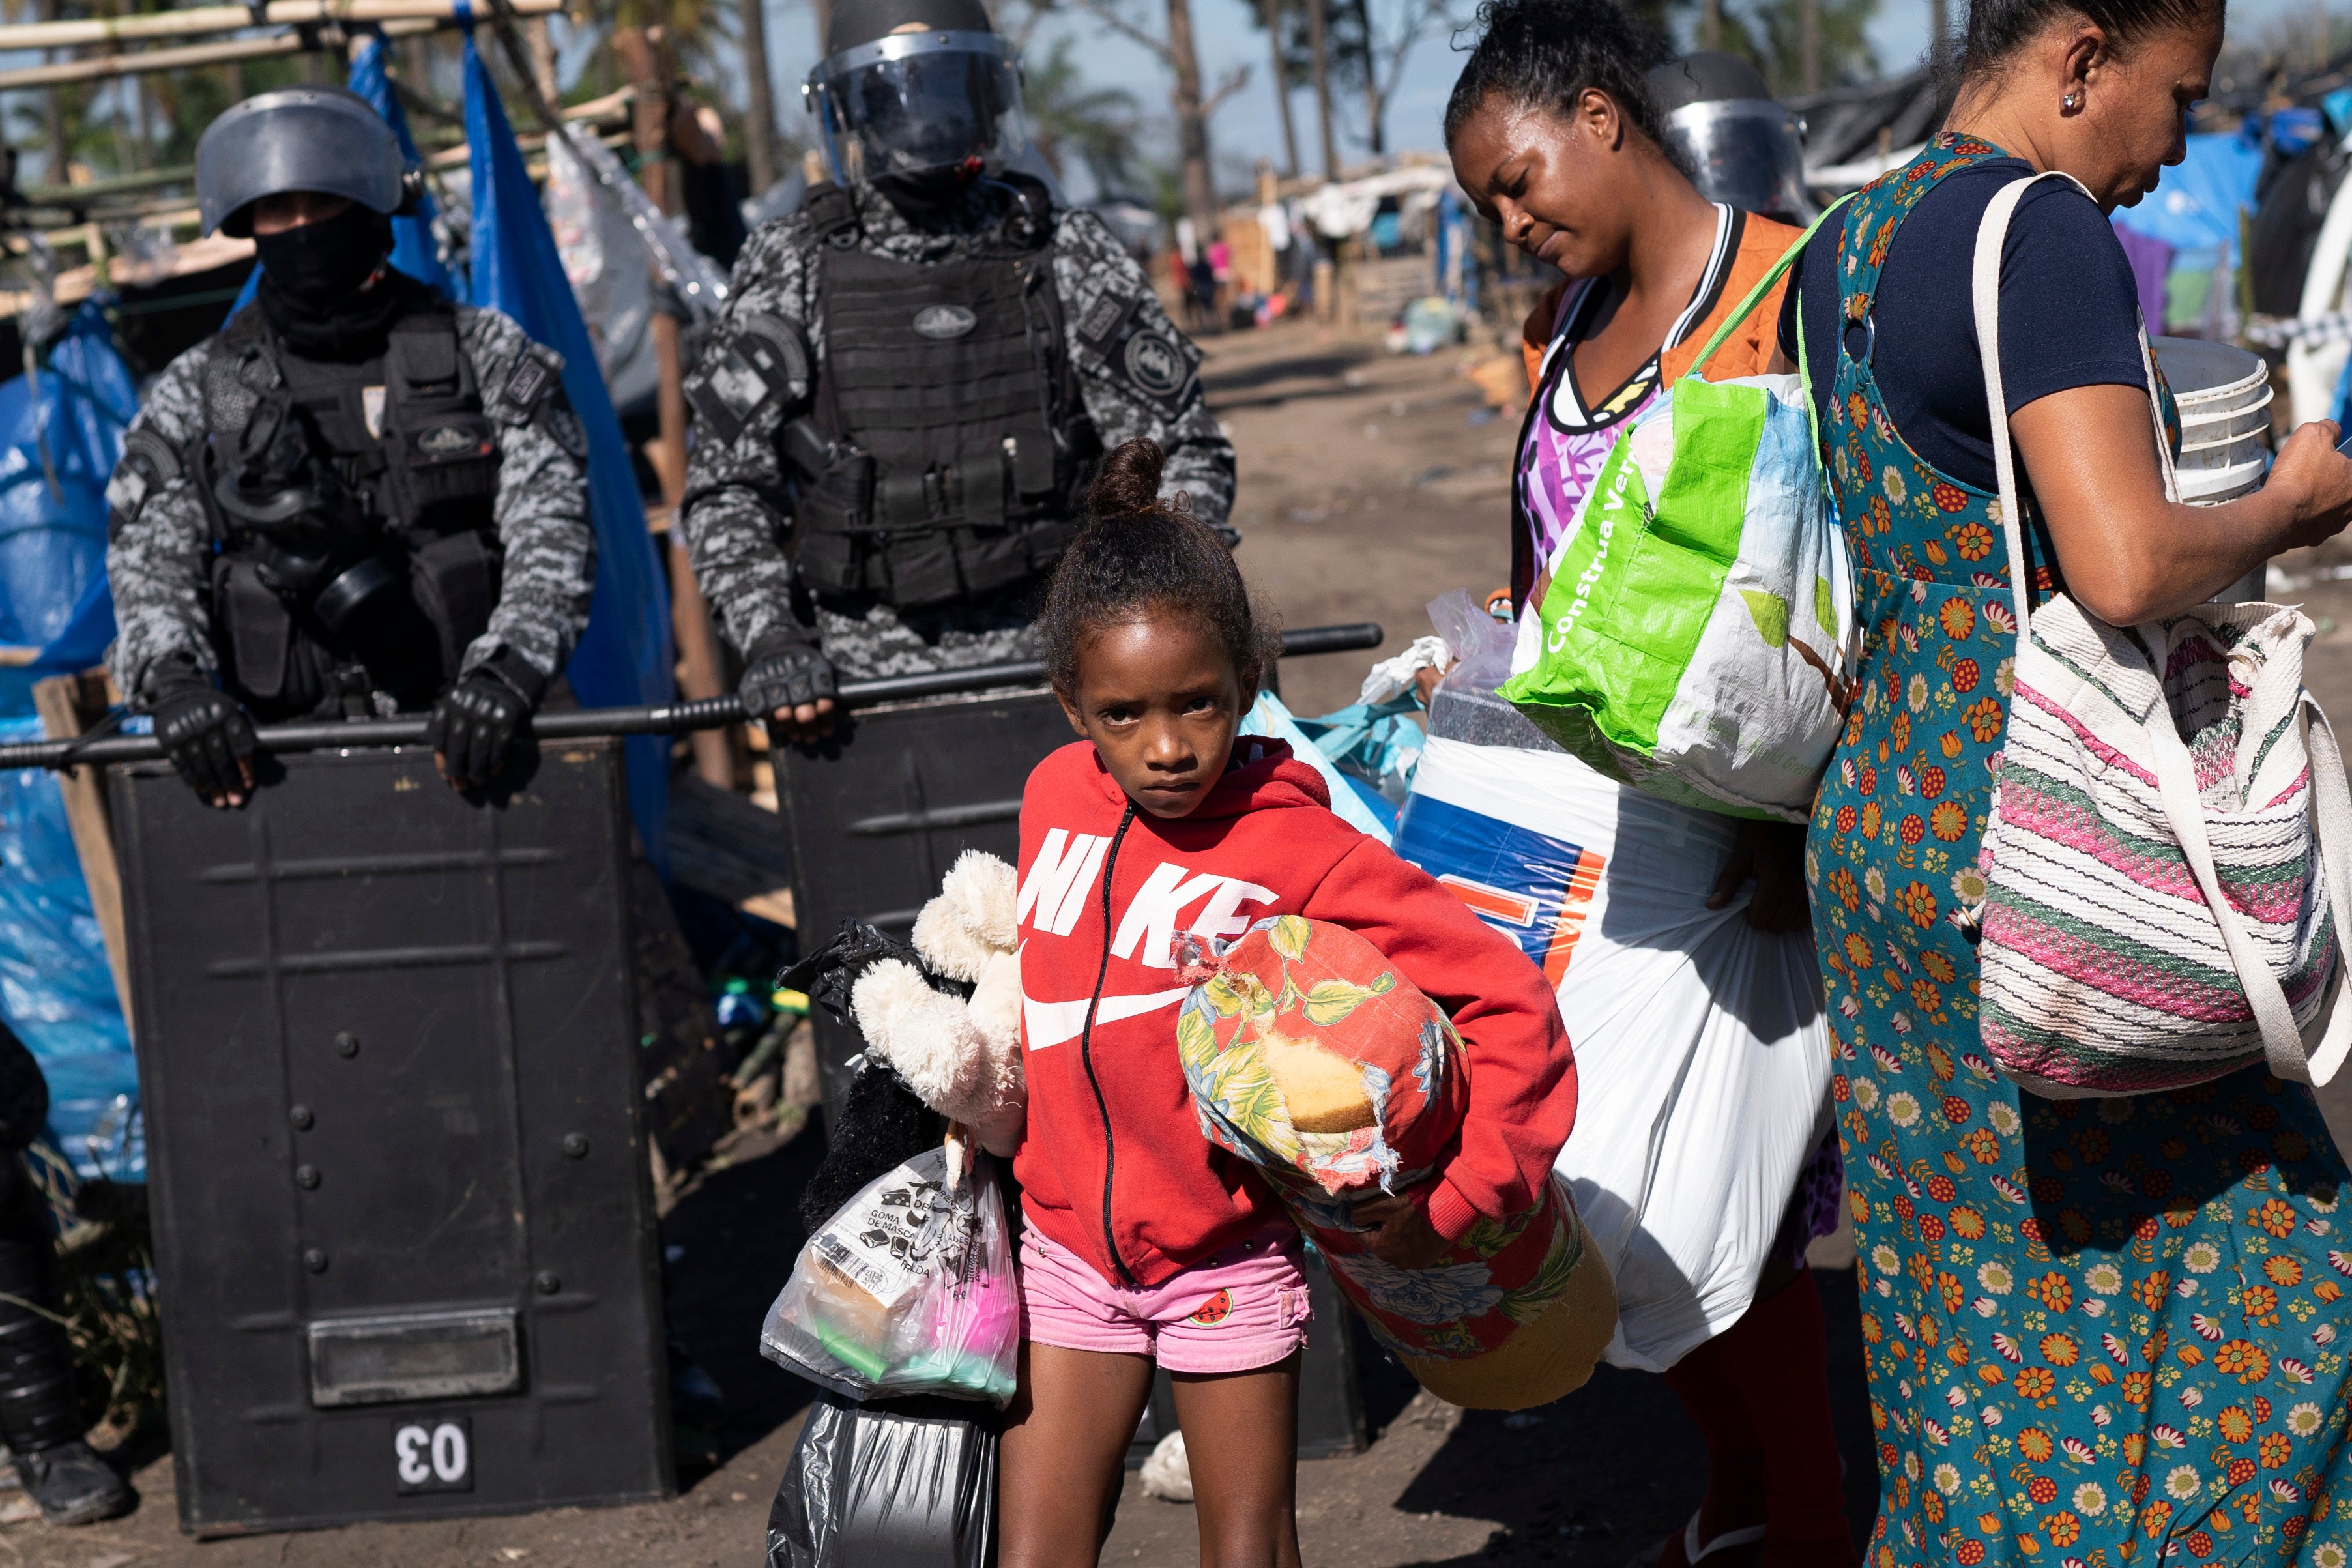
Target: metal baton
668,719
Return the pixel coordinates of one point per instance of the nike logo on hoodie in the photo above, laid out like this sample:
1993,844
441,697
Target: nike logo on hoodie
1056,890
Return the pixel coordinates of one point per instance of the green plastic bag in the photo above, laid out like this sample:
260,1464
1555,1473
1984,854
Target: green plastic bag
1694,640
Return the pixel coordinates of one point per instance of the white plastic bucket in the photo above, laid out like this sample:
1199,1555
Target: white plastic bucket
2224,393
2211,486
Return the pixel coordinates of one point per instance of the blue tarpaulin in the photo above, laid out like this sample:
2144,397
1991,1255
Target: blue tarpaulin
625,656
53,592
414,249
2195,202
60,433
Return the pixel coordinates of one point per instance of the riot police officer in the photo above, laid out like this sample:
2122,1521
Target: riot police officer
915,377
354,499
40,1414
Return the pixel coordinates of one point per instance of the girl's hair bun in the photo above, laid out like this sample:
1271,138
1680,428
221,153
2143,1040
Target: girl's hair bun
1137,553
1129,482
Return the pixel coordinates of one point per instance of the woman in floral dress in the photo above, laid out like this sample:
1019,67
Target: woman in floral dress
2099,1333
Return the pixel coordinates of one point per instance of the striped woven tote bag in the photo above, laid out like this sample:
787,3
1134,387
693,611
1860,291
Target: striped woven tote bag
2169,857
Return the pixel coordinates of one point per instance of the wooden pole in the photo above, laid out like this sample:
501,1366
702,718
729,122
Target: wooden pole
106,67
542,57
638,51
147,62
1808,38
1318,45
68,35
1273,12
67,705
759,99
53,115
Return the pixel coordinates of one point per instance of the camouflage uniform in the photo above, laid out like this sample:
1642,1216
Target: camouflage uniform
161,541
737,516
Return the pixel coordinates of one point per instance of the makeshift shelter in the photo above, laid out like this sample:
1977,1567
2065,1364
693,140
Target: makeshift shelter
2197,208
60,433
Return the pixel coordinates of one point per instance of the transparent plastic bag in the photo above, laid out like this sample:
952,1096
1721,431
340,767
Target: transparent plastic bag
908,1288
1465,706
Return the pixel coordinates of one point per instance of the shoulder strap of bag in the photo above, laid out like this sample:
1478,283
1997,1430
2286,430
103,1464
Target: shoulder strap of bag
1985,290
1755,297
1984,287
2331,798
2164,462
2175,784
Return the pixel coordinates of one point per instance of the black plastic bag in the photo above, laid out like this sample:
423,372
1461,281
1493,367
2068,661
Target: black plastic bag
882,1123
897,1483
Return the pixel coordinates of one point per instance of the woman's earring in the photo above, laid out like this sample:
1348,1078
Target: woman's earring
2071,101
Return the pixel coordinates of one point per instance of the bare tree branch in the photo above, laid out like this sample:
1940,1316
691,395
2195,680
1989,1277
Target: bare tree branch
1235,80
1106,12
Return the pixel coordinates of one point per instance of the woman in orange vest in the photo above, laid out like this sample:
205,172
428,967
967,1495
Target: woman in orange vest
1556,135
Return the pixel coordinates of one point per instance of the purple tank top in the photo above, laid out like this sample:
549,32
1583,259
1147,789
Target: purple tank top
1565,442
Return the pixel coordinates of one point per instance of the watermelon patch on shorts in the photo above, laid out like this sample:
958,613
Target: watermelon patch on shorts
1213,1311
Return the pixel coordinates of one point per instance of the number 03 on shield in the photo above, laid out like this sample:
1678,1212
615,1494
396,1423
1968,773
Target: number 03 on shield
433,1453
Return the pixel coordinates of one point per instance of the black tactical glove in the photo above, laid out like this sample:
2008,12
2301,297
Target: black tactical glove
208,736
784,676
475,721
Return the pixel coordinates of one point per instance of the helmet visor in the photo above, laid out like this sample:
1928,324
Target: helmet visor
1744,152
913,103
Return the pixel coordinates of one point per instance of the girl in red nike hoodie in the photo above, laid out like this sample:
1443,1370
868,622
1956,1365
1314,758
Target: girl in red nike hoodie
1145,1243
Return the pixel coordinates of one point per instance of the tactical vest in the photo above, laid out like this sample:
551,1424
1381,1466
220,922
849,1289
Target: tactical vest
959,439
351,510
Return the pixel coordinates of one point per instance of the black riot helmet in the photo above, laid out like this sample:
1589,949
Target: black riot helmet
1742,147
299,139
921,97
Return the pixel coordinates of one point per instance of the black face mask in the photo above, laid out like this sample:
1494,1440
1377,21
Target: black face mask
312,279
321,263
926,199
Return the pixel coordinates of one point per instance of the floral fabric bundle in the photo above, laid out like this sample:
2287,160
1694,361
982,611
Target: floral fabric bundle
1312,1058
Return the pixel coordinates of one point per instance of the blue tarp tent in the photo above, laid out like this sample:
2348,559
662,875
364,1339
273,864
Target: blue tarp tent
2195,202
60,433
625,658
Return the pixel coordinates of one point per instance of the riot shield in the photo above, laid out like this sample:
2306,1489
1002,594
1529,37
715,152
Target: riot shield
402,1218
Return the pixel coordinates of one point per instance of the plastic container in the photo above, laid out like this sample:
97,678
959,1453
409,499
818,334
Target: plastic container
2224,393
2224,398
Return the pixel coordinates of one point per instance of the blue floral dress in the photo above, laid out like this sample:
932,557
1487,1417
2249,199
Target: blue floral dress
2098,1333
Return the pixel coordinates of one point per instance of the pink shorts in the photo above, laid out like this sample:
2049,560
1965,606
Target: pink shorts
1238,1309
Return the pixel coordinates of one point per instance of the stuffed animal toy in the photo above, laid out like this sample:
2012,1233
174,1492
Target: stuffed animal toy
962,1056
1309,1056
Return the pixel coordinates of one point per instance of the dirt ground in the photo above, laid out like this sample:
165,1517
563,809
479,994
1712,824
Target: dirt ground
1369,484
